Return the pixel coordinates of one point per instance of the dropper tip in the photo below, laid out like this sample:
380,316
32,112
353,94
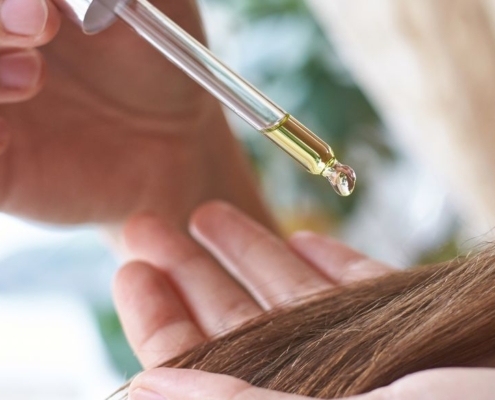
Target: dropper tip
341,177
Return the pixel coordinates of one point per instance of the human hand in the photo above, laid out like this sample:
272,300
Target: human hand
192,290
440,384
116,130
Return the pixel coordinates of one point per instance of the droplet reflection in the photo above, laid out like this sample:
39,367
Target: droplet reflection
342,178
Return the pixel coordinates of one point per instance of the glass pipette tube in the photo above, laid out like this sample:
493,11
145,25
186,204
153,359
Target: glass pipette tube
234,92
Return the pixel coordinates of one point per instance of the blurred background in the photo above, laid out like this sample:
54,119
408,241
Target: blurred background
380,83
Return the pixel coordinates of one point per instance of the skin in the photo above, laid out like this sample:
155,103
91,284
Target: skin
442,384
117,122
166,304
186,290
97,129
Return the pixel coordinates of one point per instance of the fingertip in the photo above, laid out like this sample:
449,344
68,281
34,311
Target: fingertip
208,214
29,23
24,17
22,74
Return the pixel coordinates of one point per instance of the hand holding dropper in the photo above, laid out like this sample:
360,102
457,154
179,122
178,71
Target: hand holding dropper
234,92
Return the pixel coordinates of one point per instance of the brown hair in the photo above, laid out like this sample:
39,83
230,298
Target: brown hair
353,339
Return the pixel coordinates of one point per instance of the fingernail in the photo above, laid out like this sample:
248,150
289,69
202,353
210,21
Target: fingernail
143,394
24,17
19,70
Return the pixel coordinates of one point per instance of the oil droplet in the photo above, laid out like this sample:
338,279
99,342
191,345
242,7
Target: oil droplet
341,177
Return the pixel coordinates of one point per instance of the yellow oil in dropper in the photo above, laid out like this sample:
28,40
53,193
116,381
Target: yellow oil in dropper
234,92
312,153
244,99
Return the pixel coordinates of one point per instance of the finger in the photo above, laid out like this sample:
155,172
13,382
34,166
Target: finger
154,318
22,74
216,301
176,384
335,260
27,23
263,263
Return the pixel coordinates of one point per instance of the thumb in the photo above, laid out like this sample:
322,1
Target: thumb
181,384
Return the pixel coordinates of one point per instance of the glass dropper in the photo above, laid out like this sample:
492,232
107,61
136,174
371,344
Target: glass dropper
201,65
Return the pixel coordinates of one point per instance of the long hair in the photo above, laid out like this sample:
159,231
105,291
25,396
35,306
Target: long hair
354,339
